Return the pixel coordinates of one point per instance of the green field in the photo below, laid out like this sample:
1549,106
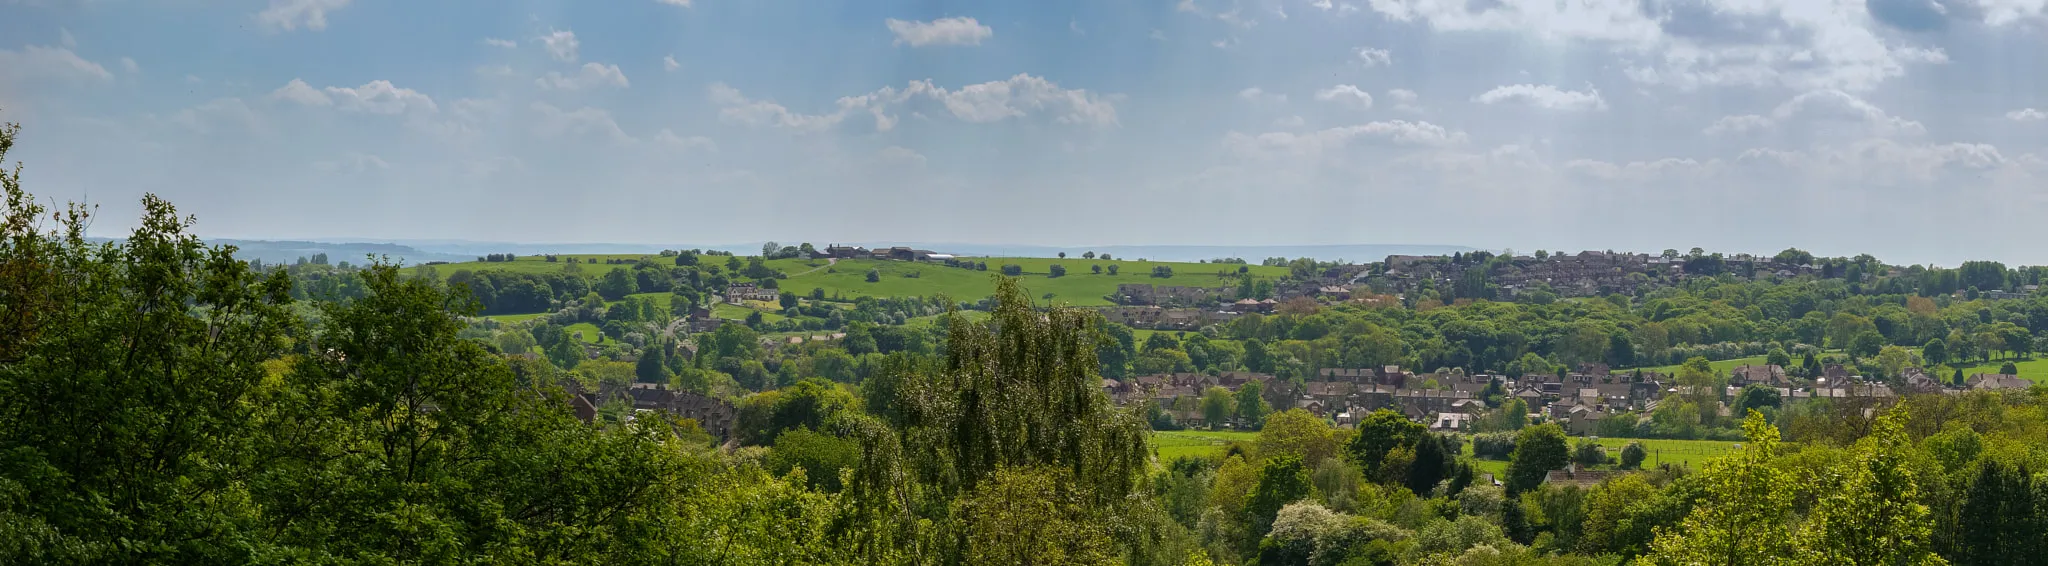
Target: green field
1688,453
590,332
1179,443
1080,287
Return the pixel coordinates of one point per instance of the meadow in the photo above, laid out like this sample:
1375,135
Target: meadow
1079,287
1171,444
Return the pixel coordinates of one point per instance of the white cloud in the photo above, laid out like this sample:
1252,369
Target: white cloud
216,115
2026,115
374,97
1804,45
1404,99
1399,133
1346,95
668,63
65,39
591,75
561,44
288,15
683,3
1544,96
1259,96
993,101
505,43
943,31
35,62
130,66
1375,57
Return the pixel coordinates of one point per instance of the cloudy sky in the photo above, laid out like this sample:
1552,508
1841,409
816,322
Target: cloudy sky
1916,130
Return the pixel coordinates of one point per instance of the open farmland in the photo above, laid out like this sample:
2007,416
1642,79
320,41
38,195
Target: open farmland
1080,287
1171,444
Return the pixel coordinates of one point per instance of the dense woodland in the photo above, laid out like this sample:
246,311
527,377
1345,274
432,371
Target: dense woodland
164,402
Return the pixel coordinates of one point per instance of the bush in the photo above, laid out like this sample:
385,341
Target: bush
874,275
1632,456
1112,269
1493,445
1058,270
1013,270
1162,271
1588,453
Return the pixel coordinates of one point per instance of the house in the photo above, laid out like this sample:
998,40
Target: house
846,252
1996,381
1451,422
1917,381
741,292
1772,375
1584,420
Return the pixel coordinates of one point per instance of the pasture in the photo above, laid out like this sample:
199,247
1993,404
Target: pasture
1171,444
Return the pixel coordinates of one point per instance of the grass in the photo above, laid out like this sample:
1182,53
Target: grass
848,278
1689,453
590,332
1721,367
1171,444
512,318
1080,287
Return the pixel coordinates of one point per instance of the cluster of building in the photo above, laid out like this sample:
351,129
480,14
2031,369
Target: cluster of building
1451,401
712,414
1585,274
897,253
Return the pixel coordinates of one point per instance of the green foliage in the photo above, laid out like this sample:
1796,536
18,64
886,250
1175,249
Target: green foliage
1744,507
1282,480
1379,433
1538,450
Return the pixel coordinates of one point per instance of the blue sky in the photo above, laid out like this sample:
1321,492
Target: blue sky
1916,130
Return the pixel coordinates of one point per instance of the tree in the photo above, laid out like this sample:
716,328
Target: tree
1162,271
1866,344
874,275
787,299
1096,269
1300,434
1379,433
1632,456
1057,270
1282,480
1251,404
1063,255
616,284
1029,516
2008,368
652,367
1112,267
1217,405
770,249
1088,255
1745,503
1538,450
1013,270
1431,465
1935,351
1877,516
1778,357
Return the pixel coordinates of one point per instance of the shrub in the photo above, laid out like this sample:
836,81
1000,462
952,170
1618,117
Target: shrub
1013,270
1632,456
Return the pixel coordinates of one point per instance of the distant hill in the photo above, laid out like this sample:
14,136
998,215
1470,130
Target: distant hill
287,251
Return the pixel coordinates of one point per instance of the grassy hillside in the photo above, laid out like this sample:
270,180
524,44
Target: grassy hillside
848,278
1080,287
1178,443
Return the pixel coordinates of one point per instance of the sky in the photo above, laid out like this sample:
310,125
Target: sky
1913,130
